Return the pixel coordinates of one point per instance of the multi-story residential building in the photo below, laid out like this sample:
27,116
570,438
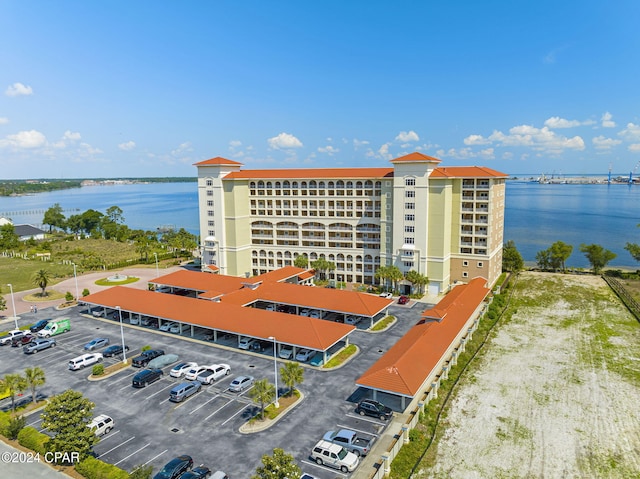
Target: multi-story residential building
443,222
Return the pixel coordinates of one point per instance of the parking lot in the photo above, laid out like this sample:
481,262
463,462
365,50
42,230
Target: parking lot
149,429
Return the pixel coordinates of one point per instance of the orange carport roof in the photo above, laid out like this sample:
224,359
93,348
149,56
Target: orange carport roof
350,302
405,367
198,281
286,328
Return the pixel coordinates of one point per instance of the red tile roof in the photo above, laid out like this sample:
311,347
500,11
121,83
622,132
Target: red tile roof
415,157
217,161
466,172
312,173
280,274
407,364
198,281
299,331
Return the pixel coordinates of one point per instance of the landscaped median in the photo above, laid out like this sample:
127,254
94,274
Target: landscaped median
99,372
272,414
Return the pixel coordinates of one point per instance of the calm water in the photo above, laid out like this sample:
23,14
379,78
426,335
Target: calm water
536,215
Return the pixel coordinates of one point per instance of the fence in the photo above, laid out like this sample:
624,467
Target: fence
618,288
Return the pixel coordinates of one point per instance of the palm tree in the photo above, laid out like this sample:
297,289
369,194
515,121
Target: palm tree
395,275
292,373
34,377
382,274
301,261
41,280
13,384
263,392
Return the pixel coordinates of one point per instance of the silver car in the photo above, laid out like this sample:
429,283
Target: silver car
241,383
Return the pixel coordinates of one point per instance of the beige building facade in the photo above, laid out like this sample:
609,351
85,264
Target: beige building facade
444,222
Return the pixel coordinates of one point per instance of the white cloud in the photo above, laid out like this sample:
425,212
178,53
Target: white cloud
358,143
71,135
631,132
476,140
487,154
634,148
4,120
407,136
537,138
182,149
603,143
24,140
18,89
284,141
330,150
127,146
235,143
607,121
557,122
384,151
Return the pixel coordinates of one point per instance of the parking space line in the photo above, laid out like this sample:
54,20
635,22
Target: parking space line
116,447
125,387
324,468
214,412
364,418
157,392
34,422
108,436
132,454
239,411
357,430
204,404
155,457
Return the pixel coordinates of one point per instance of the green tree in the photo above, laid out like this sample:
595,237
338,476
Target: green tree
34,378
382,275
292,373
543,259
417,279
67,416
395,275
322,266
633,249
74,224
511,258
301,261
279,466
90,221
41,280
597,256
559,253
3,303
263,392
14,384
54,217
115,215
143,246
8,237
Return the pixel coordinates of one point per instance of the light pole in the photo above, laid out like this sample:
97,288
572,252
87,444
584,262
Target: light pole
15,316
124,349
275,370
157,272
75,275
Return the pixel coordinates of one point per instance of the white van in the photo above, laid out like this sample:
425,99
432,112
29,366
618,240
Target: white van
101,424
334,455
84,361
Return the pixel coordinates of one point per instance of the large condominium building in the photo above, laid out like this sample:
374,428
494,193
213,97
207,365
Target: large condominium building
443,222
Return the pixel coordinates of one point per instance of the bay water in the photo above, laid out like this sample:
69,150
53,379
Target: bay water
536,215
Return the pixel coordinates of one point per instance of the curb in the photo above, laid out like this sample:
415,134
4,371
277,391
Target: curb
250,428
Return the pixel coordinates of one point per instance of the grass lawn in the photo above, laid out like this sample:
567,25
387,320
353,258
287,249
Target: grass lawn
19,272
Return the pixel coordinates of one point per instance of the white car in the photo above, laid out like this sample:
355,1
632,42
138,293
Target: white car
305,312
304,355
353,320
166,325
386,295
246,343
213,373
194,372
84,361
286,351
135,320
270,307
180,369
178,327
15,333
314,314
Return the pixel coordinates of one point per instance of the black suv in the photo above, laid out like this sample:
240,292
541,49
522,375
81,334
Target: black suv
39,325
146,377
114,350
175,467
369,407
146,356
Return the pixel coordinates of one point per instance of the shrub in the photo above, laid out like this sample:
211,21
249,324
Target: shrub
98,370
30,438
5,417
16,424
85,292
146,348
92,468
68,296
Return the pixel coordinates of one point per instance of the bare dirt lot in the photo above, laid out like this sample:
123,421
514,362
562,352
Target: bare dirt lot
556,392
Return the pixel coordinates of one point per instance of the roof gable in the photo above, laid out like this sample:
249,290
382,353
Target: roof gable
415,157
217,161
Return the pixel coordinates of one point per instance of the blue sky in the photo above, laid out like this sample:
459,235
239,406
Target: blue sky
147,88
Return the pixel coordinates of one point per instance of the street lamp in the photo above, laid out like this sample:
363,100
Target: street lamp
157,272
124,349
275,370
75,275
15,316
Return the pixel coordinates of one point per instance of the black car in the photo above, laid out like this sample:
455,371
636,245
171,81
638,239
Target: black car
114,350
175,467
146,377
369,407
200,472
40,325
146,356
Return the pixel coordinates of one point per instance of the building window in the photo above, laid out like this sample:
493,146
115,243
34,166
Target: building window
211,223
209,182
409,229
408,264
465,274
210,213
409,194
409,240
211,233
409,217
209,202
410,181
480,264
409,206
209,192
465,263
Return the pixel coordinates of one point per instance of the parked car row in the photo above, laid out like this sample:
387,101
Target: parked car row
181,467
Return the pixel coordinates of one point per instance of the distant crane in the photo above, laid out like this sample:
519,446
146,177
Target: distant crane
609,177
635,170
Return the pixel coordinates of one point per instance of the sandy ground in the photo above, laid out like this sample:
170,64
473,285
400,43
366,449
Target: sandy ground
555,395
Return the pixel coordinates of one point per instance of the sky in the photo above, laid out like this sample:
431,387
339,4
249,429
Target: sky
148,88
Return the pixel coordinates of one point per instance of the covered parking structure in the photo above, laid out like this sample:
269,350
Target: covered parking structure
224,319
423,355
